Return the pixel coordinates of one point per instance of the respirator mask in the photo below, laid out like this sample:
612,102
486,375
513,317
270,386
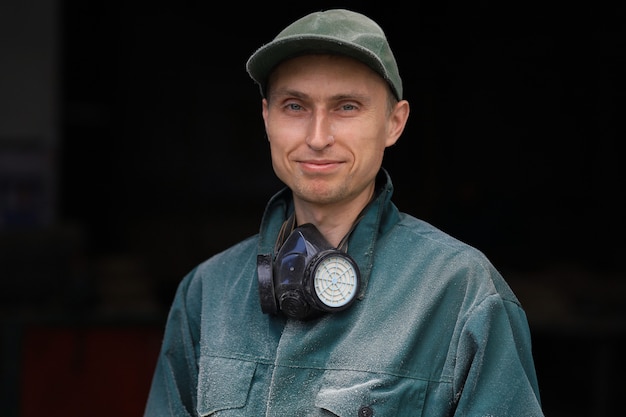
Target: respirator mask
307,276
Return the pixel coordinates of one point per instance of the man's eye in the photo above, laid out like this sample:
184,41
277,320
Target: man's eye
294,106
348,107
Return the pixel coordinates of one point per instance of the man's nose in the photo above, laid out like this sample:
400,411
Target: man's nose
319,135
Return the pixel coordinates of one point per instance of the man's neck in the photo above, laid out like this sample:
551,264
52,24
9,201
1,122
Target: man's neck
333,221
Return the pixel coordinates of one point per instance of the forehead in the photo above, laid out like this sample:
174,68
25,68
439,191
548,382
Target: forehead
315,67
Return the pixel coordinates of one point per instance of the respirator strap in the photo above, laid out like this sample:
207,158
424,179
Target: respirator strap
343,245
285,230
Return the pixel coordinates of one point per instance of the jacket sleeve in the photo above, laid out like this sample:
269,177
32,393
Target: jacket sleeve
495,373
175,379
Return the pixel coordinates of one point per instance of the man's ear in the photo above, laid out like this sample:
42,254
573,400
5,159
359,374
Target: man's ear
397,122
264,113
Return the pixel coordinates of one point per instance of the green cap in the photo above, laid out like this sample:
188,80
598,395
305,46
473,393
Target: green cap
336,31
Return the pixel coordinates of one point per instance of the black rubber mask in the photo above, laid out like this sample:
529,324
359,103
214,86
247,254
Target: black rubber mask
307,277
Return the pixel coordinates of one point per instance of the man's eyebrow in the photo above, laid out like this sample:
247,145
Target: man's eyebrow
337,97
282,92
351,96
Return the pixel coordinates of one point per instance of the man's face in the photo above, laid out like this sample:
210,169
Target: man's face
328,120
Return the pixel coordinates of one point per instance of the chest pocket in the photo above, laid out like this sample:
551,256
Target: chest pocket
223,384
366,394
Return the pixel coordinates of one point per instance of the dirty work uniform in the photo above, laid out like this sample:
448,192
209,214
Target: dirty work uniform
435,332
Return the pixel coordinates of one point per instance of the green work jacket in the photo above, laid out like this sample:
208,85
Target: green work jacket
435,331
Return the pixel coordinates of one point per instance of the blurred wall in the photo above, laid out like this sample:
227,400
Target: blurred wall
29,111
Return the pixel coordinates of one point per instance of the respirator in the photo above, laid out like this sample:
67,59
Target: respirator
307,277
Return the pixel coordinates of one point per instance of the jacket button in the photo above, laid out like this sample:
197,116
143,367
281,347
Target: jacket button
366,412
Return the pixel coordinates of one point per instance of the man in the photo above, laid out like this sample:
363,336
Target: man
341,305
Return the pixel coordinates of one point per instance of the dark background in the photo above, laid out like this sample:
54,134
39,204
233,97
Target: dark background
514,145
